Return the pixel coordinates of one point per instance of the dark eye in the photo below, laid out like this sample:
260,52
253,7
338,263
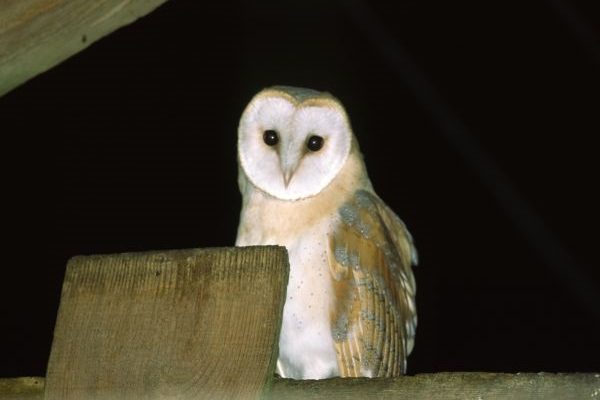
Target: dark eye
270,137
314,143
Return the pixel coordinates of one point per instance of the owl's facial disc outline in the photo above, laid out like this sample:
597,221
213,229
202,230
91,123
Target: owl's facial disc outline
314,139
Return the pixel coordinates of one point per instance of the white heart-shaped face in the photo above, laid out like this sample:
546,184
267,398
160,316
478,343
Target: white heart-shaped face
289,149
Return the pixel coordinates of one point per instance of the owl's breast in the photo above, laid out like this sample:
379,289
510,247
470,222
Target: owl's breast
306,348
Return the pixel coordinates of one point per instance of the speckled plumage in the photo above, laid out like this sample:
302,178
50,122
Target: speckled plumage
350,307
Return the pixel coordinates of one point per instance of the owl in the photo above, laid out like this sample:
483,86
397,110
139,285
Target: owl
350,304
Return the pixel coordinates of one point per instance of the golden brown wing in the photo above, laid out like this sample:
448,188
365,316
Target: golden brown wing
373,319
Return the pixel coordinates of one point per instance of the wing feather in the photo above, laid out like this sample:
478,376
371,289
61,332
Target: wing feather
374,316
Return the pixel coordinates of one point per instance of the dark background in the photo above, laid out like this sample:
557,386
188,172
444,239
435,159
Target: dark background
130,146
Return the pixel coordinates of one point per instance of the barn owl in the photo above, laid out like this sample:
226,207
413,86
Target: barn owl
350,305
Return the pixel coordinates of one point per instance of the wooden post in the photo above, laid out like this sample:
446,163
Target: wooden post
184,324
35,35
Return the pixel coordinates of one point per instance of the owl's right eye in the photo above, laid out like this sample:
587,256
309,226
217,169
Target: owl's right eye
270,137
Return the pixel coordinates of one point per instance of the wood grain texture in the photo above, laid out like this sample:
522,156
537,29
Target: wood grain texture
445,385
35,35
457,385
25,388
182,324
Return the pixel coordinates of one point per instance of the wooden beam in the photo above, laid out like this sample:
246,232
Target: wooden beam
36,35
185,324
445,385
25,388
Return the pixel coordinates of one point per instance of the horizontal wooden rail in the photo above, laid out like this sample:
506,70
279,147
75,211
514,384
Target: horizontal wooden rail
25,388
36,35
446,385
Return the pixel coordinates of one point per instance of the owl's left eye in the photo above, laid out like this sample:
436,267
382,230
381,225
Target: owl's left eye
314,143
270,137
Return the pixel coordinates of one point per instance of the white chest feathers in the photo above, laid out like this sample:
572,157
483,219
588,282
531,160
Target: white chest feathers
306,347
350,307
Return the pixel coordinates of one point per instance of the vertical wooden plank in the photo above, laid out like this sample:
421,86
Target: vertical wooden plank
181,324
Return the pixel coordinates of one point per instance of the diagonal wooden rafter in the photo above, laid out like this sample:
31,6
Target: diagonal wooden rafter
36,35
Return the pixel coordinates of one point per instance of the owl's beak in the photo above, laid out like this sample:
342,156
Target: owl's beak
287,177
288,167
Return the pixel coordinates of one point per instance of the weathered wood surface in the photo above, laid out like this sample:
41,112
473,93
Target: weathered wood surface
458,385
447,385
194,324
26,388
35,35
183,324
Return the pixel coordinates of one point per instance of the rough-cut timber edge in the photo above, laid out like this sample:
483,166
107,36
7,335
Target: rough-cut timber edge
185,324
445,385
36,35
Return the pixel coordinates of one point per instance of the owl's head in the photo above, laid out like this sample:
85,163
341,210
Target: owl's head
292,142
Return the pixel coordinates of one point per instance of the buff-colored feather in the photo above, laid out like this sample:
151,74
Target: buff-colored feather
374,288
